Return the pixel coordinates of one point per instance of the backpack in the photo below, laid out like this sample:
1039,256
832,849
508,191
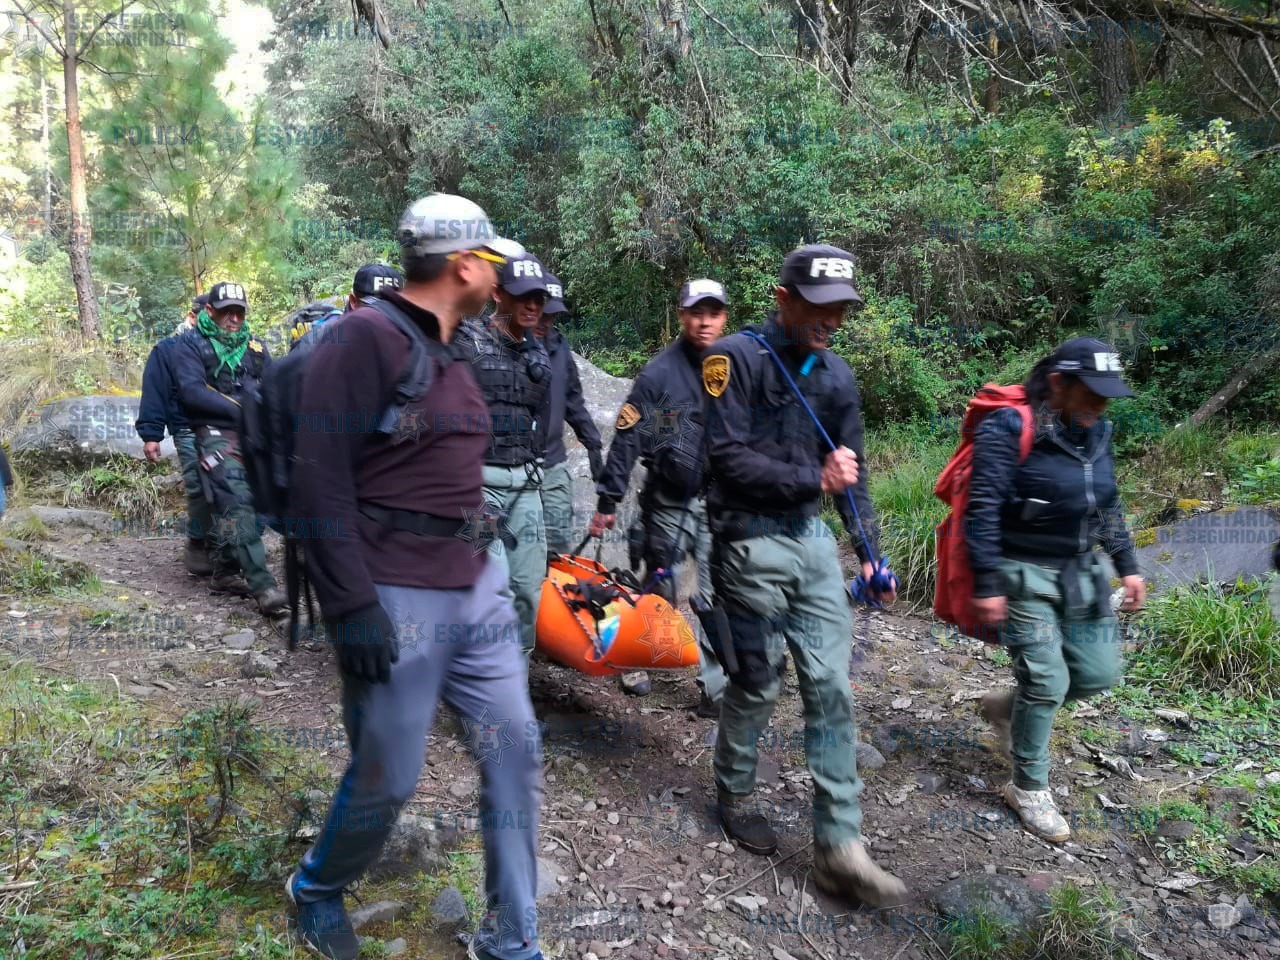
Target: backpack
303,320
955,577
268,425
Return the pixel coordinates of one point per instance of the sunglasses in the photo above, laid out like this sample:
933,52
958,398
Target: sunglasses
482,254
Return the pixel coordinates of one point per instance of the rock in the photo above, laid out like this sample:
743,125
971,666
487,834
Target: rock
604,396
448,909
548,871
1005,899
599,948
747,907
382,911
415,846
780,954
257,665
463,787
94,520
1231,543
1175,829
636,683
869,758
140,691
394,948
239,641
86,429
930,783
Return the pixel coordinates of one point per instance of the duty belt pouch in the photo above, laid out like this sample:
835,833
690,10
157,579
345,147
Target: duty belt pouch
1102,589
715,624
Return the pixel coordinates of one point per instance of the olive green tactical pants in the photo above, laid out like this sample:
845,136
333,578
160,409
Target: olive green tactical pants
511,490
1058,655
233,533
797,583
199,517
668,523
557,507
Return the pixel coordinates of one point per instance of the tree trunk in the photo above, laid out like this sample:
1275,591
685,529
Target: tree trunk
991,96
46,211
1112,63
851,21
1224,395
80,236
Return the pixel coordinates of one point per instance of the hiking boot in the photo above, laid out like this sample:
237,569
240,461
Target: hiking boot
707,708
635,683
847,872
230,583
272,602
749,828
324,927
1038,812
195,557
997,709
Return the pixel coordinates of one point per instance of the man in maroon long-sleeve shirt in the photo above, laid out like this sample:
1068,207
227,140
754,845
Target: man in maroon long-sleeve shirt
414,606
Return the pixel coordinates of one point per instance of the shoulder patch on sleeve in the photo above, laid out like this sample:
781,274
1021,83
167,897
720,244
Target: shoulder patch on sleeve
715,374
255,346
628,417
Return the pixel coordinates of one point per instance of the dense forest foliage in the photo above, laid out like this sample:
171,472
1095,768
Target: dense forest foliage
1005,174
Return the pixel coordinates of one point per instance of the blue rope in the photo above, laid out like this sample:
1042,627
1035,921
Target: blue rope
882,579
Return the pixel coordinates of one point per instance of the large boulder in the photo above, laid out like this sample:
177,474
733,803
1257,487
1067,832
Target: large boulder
1220,546
85,428
604,396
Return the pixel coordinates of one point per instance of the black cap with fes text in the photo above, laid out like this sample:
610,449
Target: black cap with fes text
523,274
373,278
821,274
555,297
227,294
1095,363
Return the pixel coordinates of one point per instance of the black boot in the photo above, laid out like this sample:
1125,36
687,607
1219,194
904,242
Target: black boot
748,827
195,557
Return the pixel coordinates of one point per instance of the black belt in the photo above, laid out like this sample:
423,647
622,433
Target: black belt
731,525
423,524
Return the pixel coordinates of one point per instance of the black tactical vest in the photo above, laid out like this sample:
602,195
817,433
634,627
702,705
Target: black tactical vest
514,379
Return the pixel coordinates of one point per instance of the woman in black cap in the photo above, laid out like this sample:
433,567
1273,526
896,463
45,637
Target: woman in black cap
1030,527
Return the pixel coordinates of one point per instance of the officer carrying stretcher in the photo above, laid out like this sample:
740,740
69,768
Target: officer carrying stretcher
775,567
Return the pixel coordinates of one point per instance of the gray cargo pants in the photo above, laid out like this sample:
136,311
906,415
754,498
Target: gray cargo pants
465,648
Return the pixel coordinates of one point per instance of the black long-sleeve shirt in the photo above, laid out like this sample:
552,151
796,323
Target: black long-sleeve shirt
765,453
564,404
204,403
1062,500
160,406
661,423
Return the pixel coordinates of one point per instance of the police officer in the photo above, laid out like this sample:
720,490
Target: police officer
1030,528
514,372
160,408
211,365
774,562
371,282
564,403
661,422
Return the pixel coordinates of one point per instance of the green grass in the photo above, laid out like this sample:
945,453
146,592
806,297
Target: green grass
1212,637
30,573
118,485
1079,925
173,846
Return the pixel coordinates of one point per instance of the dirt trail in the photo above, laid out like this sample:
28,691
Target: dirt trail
627,782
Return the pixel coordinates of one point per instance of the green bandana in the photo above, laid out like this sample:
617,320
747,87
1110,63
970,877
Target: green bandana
229,347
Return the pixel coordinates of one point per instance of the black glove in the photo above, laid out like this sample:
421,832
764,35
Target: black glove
597,463
366,643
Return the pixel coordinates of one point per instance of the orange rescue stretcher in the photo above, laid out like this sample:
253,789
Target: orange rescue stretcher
599,621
